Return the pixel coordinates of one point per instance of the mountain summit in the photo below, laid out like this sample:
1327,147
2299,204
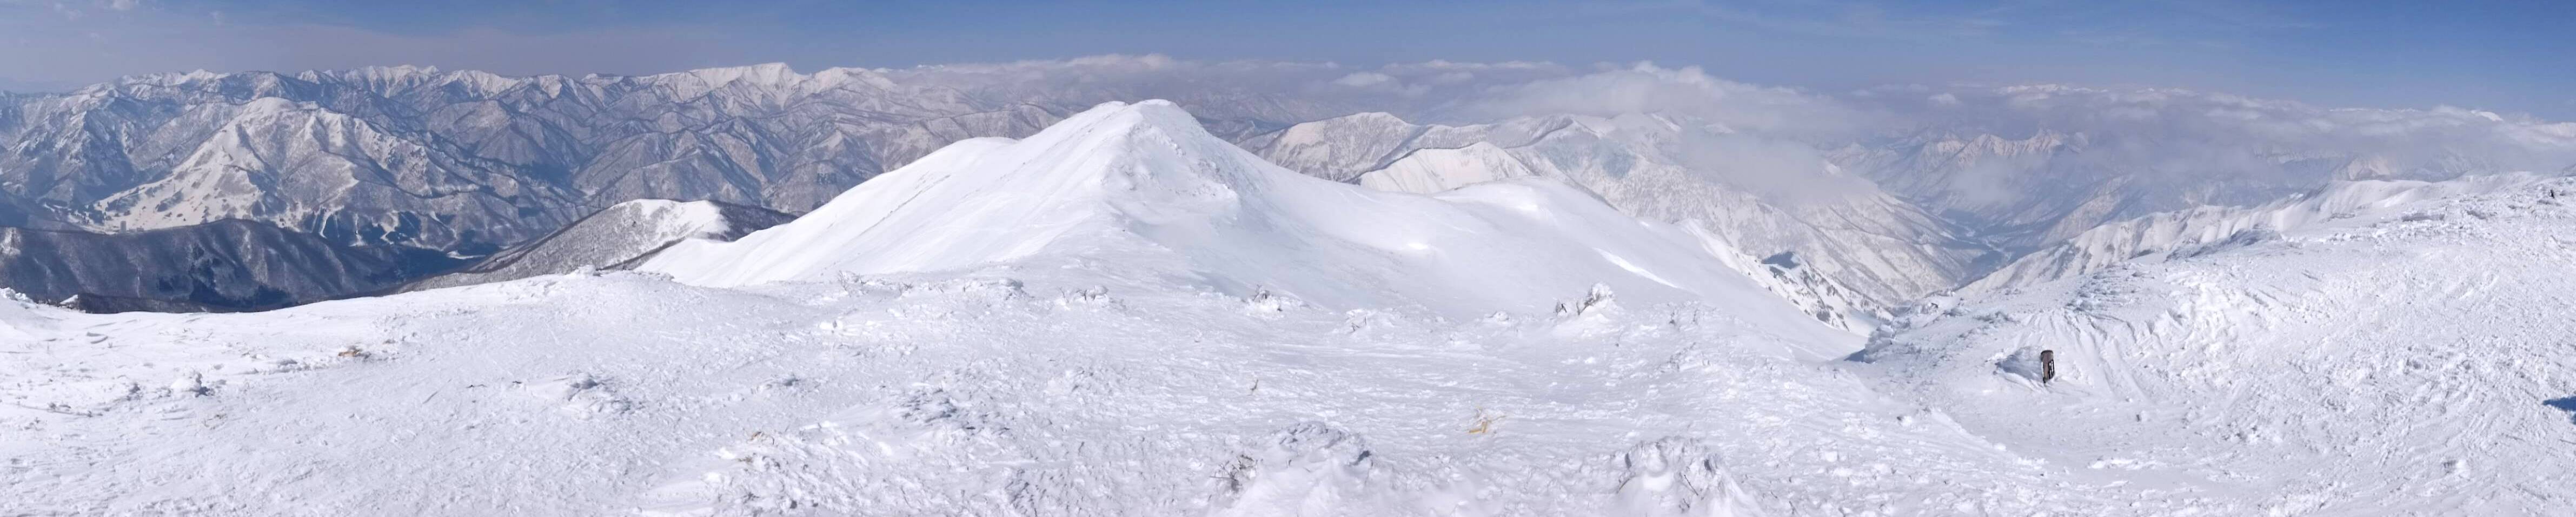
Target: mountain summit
1143,190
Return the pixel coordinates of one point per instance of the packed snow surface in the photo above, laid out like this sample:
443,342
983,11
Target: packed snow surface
1117,317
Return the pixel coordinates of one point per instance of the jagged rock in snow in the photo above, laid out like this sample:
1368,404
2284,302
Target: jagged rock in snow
1599,297
1678,477
617,237
1307,469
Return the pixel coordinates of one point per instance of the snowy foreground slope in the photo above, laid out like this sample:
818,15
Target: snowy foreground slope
982,394
2407,363
1135,321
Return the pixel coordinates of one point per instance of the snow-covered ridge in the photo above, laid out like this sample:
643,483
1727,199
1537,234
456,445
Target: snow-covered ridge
616,237
475,161
1425,171
1142,186
2202,230
1859,249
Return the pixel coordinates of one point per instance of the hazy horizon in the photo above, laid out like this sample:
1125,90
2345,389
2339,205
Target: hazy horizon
2497,56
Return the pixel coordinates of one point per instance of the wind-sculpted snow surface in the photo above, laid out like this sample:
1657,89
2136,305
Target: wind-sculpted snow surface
2407,362
1056,391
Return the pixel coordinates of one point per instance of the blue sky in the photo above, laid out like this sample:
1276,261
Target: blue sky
2502,55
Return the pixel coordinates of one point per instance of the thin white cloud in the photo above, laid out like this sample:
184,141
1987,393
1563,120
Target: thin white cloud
1365,80
1832,18
1647,88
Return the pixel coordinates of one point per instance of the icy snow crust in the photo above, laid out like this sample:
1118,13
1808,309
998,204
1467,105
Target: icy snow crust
1161,351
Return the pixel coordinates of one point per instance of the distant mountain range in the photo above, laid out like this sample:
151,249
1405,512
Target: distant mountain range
1864,200
469,161
222,266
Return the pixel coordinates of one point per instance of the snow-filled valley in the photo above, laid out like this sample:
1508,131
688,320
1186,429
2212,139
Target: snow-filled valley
1124,314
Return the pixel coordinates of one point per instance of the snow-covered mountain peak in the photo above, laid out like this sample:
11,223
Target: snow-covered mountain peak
837,77
772,75
1141,192
989,200
380,74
